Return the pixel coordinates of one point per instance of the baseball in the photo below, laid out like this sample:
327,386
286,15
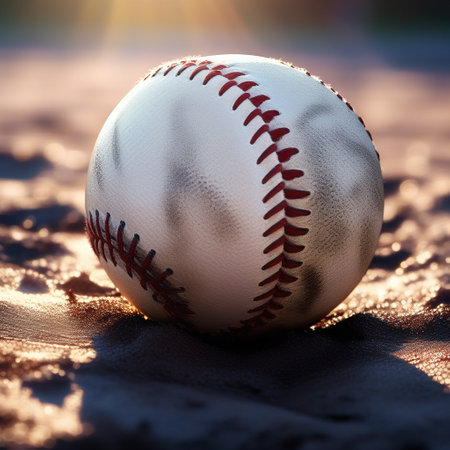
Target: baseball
234,194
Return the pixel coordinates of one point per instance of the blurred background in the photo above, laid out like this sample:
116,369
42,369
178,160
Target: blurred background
197,26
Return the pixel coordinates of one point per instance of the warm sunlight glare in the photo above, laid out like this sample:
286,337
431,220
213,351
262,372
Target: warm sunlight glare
123,22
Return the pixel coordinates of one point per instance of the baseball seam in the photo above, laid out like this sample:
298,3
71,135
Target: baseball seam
286,258
103,242
284,250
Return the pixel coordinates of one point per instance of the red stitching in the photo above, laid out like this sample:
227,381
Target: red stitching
210,75
246,85
276,209
278,133
292,194
184,67
226,86
295,212
275,244
274,262
284,154
267,152
263,129
233,75
291,174
172,66
196,71
268,116
240,99
144,268
255,113
278,188
282,223
108,239
277,169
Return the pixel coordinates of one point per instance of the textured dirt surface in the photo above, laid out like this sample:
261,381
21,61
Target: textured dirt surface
81,368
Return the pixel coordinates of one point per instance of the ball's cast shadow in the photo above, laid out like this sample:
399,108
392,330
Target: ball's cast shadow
153,384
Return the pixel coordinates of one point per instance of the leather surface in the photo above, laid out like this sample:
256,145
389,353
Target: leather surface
175,163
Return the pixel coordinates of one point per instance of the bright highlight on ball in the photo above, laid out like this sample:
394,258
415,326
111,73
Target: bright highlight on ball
234,194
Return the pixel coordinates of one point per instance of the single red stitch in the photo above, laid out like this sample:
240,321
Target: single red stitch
108,239
130,254
227,86
92,234
292,194
246,85
171,67
276,170
273,262
276,209
211,74
278,133
99,230
290,247
286,154
152,74
267,152
219,67
196,71
275,244
240,99
259,100
292,230
259,133
251,116
296,212
145,266
120,240
184,67
290,174
279,187
275,227
290,263
269,294
233,75
268,116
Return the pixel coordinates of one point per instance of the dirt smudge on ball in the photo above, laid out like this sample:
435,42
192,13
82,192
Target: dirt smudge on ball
186,184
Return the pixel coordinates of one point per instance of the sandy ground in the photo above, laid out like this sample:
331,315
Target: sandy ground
81,368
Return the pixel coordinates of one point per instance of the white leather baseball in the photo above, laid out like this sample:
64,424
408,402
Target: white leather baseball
234,194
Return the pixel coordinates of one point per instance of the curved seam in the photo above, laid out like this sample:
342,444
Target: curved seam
282,261
100,236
